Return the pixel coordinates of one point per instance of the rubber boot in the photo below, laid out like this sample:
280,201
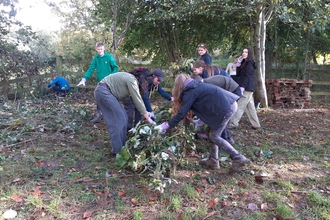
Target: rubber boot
238,162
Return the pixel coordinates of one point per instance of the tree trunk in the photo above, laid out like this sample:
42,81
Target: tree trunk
264,15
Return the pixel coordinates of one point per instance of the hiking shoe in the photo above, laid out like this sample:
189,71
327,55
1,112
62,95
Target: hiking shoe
97,118
231,141
201,135
210,163
238,162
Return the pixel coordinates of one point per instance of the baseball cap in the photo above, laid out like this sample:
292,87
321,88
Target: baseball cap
159,74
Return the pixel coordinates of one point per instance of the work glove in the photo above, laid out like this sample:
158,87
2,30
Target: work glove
150,121
239,61
242,89
162,127
198,123
172,99
82,82
152,115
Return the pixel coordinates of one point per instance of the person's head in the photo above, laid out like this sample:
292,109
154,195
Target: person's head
54,75
142,75
201,49
199,66
236,59
177,89
99,47
247,54
195,76
158,76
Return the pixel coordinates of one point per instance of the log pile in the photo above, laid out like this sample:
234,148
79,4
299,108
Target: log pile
288,93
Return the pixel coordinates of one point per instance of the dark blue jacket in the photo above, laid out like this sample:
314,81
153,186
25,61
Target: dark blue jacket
61,83
160,91
204,74
246,75
208,102
207,58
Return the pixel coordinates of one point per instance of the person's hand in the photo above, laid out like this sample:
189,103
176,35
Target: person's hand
242,89
150,121
172,99
239,61
82,82
152,115
162,127
197,123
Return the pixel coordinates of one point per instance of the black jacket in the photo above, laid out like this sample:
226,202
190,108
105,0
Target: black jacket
207,101
246,75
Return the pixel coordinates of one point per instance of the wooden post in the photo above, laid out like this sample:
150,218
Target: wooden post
59,62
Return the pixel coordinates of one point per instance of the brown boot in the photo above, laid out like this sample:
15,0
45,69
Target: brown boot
210,163
97,118
238,162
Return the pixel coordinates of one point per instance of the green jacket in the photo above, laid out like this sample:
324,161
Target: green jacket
123,85
104,66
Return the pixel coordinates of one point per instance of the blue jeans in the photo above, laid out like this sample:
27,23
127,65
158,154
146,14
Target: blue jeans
114,116
59,90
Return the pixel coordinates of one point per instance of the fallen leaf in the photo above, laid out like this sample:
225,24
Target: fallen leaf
121,193
152,199
204,181
16,198
179,216
210,214
200,190
88,214
16,180
86,179
209,190
212,204
264,206
224,203
37,191
134,201
258,179
291,205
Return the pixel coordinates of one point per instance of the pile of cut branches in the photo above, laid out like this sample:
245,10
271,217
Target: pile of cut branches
149,152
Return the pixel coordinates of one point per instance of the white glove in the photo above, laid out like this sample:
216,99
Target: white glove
82,82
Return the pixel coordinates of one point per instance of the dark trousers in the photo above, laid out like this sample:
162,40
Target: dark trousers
218,141
134,116
59,90
114,116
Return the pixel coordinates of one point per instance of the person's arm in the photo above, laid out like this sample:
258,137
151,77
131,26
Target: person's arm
90,70
113,65
247,75
52,83
147,102
163,93
228,67
208,59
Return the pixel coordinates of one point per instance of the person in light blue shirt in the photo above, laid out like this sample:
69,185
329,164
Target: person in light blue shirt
59,85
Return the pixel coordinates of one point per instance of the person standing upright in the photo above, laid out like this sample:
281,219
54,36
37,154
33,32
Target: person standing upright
203,52
231,69
104,64
245,72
